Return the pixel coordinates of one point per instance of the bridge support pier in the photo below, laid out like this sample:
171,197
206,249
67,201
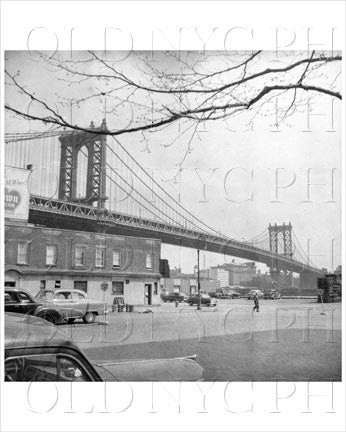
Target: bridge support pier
308,280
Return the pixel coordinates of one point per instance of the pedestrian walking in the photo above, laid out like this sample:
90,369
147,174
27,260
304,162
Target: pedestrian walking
256,301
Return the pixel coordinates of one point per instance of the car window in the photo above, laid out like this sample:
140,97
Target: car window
77,296
23,297
63,295
10,297
44,367
45,295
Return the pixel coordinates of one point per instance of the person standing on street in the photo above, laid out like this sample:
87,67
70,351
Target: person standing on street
256,301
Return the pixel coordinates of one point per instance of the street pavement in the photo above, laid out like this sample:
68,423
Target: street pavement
296,340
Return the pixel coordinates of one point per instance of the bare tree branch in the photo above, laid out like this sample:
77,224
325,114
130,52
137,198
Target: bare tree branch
193,88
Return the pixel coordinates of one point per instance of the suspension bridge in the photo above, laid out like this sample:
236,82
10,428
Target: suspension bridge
88,181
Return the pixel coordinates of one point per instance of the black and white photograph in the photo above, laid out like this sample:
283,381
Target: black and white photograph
173,215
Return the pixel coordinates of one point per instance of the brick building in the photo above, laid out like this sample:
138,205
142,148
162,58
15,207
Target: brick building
43,258
187,283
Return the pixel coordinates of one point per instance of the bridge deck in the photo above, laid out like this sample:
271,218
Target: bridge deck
53,213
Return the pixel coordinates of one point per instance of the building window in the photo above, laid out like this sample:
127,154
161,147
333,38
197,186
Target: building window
51,255
42,285
57,284
22,257
100,258
155,288
116,258
81,285
149,261
79,257
117,288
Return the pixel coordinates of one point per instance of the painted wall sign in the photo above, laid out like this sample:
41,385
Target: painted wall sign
17,193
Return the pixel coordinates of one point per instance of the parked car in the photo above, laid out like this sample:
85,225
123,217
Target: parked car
234,295
216,295
74,303
173,297
205,300
272,294
36,350
252,292
20,301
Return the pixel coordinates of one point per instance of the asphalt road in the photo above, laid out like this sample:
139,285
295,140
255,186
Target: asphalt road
287,340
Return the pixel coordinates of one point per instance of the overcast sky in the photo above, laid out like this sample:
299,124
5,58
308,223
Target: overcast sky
229,177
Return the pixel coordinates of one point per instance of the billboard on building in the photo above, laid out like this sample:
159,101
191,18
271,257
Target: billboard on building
17,194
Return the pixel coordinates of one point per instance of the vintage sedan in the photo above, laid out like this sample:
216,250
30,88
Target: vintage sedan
272,294
36,350
74,303
174,297
215,294
20,301
206,300
251,294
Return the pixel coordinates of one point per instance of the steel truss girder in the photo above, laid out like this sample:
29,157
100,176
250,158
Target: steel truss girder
106,217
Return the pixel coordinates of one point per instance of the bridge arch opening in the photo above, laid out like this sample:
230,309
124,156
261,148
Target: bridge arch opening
82,173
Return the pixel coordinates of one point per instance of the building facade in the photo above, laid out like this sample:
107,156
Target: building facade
38,258
187,283
220,274
240,273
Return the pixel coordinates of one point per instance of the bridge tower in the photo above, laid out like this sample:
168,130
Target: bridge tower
276,233
95,146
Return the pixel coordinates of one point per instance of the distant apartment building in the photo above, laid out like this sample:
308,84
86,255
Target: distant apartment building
187,283
220,274
239,273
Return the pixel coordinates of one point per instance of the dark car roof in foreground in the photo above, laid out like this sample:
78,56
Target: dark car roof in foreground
27,330
17,290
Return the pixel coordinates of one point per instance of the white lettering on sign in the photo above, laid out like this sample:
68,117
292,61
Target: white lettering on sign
17,194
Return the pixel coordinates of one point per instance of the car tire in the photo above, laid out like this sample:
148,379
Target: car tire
89,317
47,316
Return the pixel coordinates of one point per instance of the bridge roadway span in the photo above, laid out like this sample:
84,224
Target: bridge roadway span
80,217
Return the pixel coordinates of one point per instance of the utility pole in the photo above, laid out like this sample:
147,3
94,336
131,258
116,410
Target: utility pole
198,284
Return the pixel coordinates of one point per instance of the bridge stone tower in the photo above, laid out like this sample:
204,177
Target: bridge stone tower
95,145
277,232
274,234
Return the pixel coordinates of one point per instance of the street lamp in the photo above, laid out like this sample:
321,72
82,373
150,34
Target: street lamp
198,282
